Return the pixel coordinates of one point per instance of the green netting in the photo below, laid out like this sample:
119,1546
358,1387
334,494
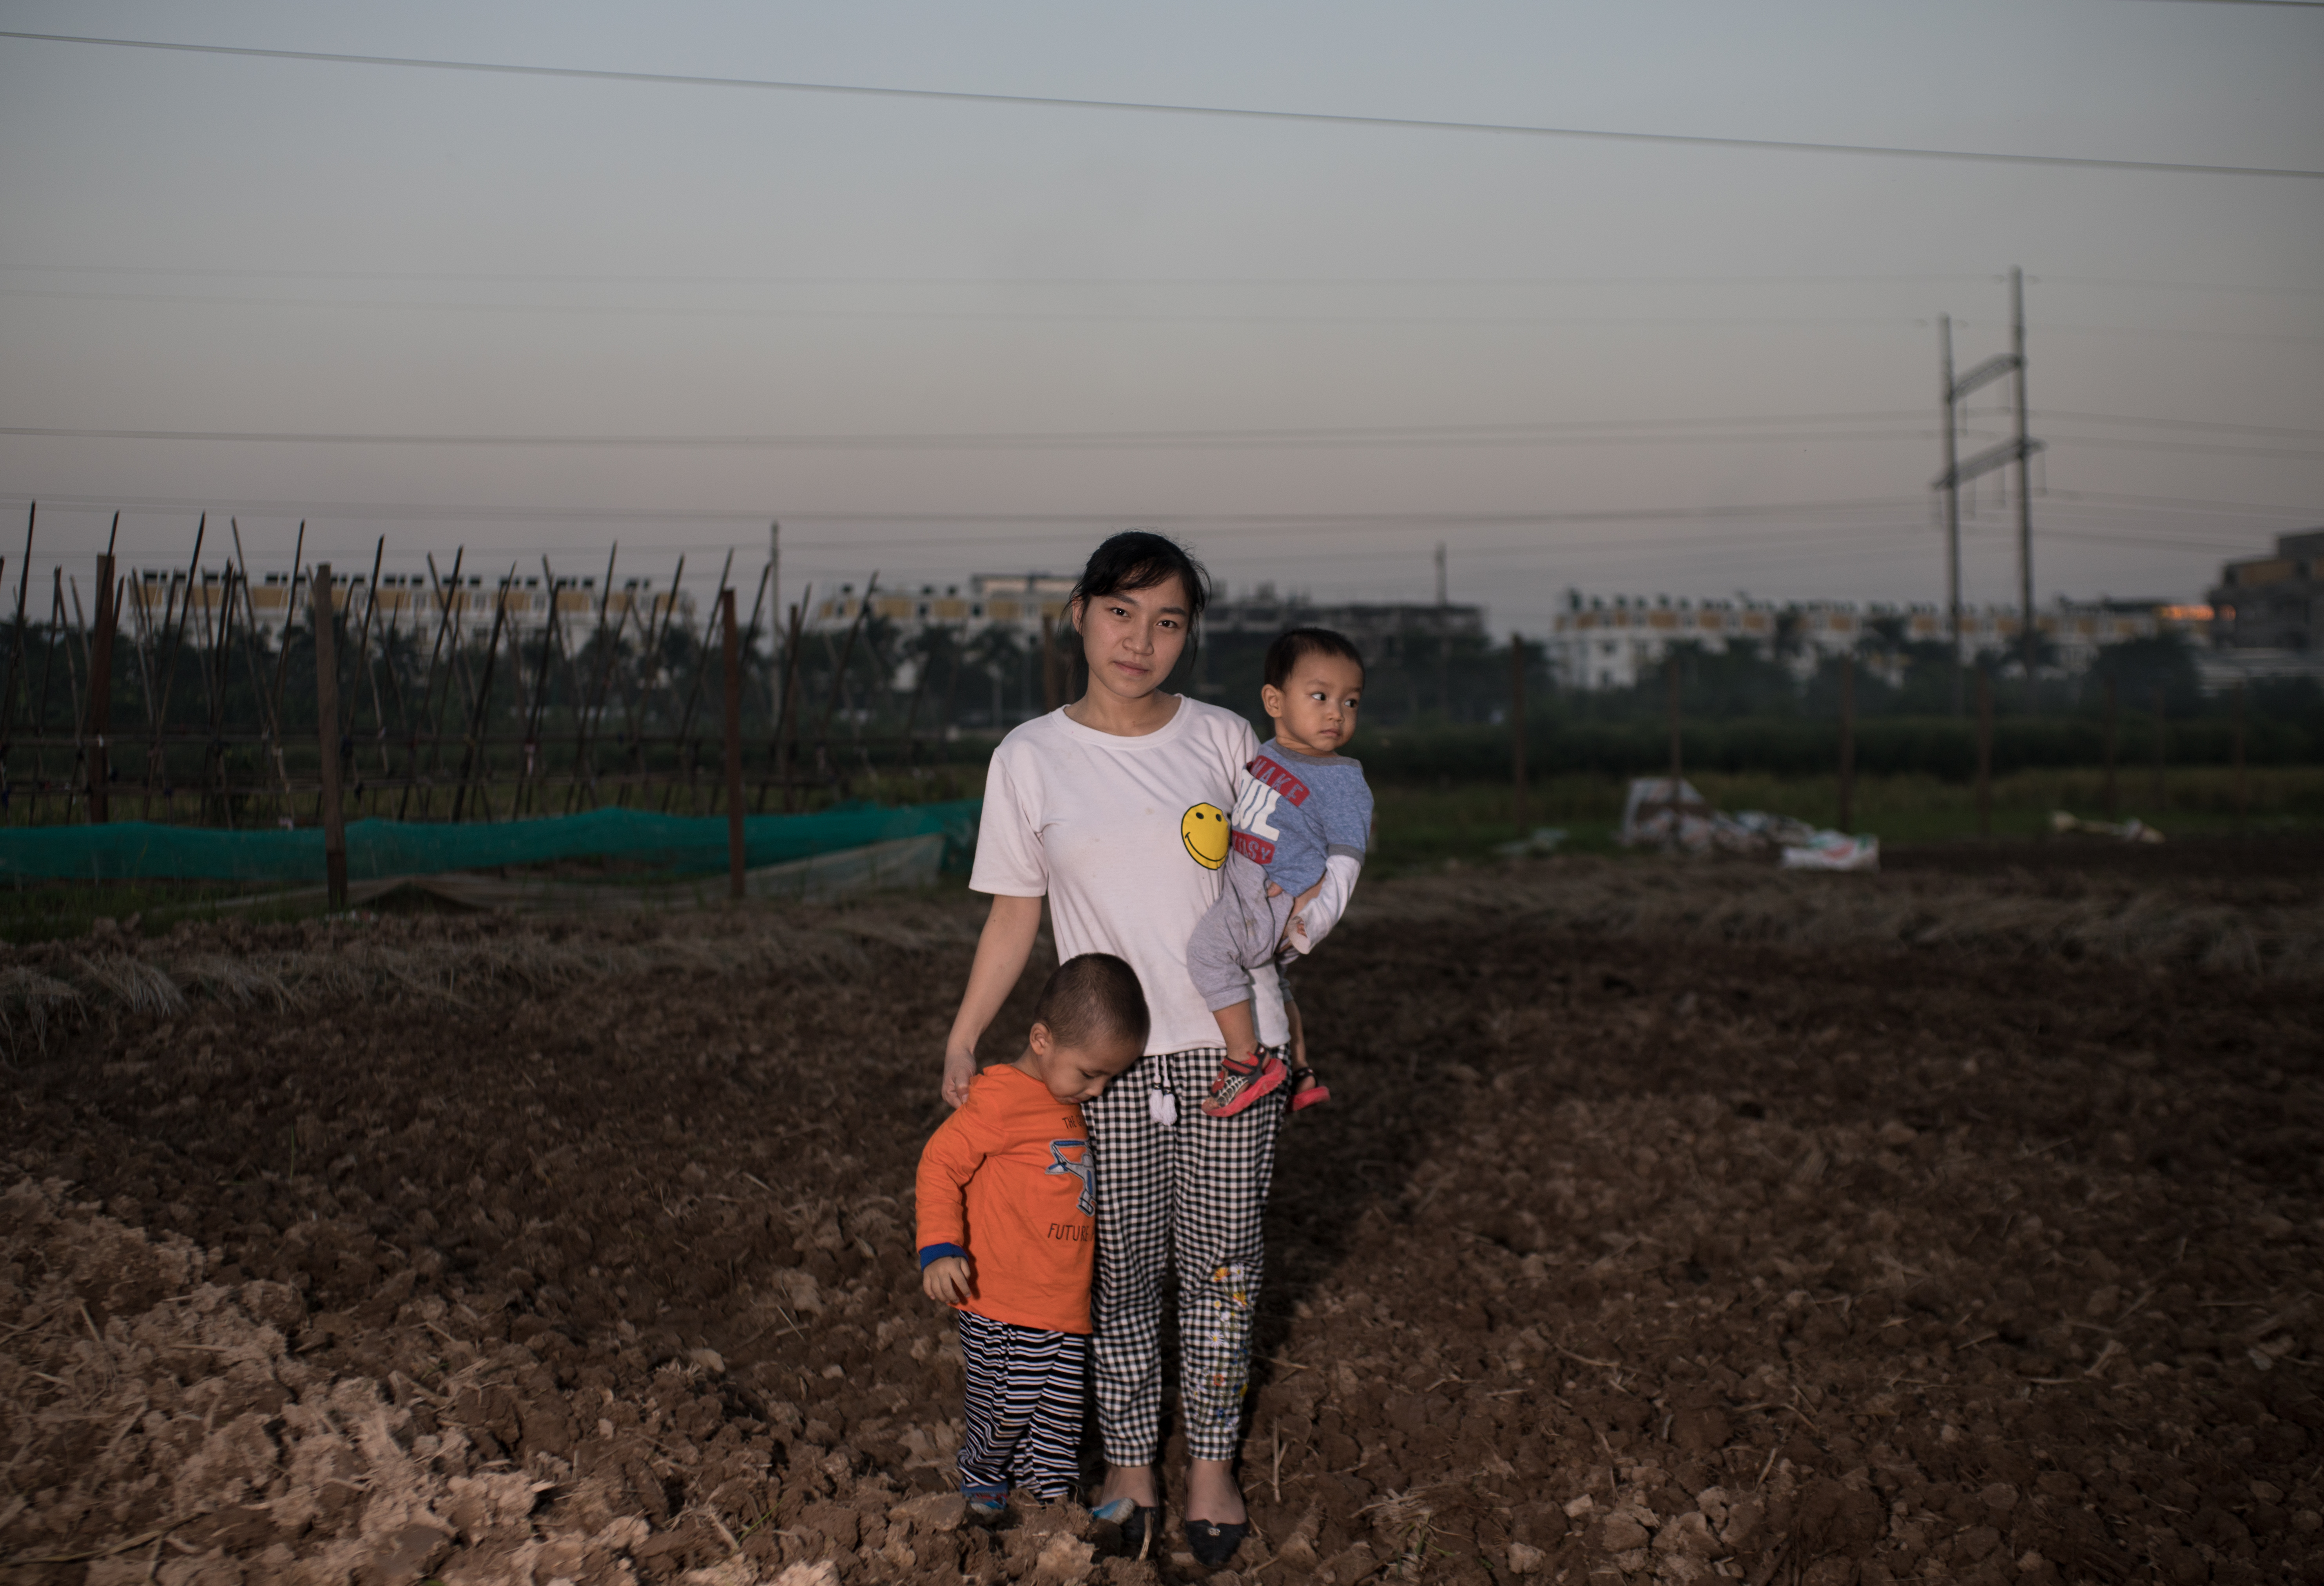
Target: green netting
377,849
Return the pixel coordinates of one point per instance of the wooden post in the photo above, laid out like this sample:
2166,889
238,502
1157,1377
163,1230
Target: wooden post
2242,804
1846,742
735,846
100,691
327,733
1517,726
2112,700
1984,753
2162,793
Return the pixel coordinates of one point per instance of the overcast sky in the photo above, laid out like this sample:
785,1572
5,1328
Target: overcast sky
535,314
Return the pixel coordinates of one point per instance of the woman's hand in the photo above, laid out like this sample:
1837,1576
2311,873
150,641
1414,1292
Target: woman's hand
948,1278
1001,950
960,1067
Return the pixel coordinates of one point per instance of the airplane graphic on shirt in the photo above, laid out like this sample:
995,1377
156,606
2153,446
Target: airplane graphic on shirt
1061,1163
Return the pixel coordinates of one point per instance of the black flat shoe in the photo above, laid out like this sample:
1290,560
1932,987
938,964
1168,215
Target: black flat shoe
1215,1544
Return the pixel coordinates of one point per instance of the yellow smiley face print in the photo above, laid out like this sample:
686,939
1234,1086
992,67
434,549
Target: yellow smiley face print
1203,829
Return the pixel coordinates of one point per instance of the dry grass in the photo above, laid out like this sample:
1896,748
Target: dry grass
2005,916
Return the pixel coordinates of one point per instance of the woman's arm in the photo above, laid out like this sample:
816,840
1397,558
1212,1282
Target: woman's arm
1001,955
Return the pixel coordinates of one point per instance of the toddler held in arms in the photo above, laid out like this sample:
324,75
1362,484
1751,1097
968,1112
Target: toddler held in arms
1303,816
1006,1234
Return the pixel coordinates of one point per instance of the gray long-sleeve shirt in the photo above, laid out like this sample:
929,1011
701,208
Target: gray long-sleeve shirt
1295,811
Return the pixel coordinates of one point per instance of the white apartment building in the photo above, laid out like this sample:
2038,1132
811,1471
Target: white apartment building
1600,643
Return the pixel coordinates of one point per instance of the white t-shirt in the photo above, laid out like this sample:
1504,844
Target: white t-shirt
1125,837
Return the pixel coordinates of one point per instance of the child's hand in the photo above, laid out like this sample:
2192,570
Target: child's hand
947,1278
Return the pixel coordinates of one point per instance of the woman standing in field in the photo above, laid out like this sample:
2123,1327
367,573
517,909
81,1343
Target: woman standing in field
1114,808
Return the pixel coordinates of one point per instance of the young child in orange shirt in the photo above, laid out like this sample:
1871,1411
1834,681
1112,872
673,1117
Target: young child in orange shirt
1006,1201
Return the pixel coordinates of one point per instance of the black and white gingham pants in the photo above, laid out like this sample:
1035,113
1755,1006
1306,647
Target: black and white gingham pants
1027,1393
1194,1193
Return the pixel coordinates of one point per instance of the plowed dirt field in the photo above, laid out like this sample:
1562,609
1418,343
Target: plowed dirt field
1656,1248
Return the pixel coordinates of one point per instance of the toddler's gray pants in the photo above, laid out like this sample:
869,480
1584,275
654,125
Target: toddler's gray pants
1242,932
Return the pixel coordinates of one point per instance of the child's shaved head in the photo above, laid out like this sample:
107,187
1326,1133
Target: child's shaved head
1093,998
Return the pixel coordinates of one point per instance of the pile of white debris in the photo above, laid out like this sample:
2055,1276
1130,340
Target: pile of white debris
1682,821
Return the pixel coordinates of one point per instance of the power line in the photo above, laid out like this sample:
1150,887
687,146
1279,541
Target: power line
1481,437
1043,101
1062,525
2202,424
2209,447
1222,441
1269,320
591,278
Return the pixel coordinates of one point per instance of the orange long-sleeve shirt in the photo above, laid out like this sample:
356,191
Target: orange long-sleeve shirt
1006,1180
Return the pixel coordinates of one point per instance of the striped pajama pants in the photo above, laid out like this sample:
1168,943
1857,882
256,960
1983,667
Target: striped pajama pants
1028,1392
1189,1196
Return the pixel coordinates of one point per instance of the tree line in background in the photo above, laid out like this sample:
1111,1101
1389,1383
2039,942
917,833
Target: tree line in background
440,724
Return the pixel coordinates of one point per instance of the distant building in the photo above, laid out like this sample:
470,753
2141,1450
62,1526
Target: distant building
2271,603
2264,615
1596,643
1009,600
1374,625
1021,600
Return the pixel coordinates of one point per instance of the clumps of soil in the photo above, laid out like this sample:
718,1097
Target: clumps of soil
1656,1251
170,1432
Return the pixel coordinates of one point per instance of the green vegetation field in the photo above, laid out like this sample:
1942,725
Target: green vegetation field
1421,826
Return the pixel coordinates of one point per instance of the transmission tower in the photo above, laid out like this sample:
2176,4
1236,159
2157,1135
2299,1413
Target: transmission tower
2019,448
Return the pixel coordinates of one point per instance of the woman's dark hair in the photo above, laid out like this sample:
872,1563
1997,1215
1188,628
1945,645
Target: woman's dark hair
1139,559
1289,648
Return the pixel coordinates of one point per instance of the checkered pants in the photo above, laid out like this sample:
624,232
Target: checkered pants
1192,1193
1027,1394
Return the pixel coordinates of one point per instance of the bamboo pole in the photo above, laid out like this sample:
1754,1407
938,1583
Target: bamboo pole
685,746
289,615
326,736
100,692
785,700
142,625
48,673
586,711
215,678
655,629
839,675
16,649
737,849
472,755
429,717
181,610
271,723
